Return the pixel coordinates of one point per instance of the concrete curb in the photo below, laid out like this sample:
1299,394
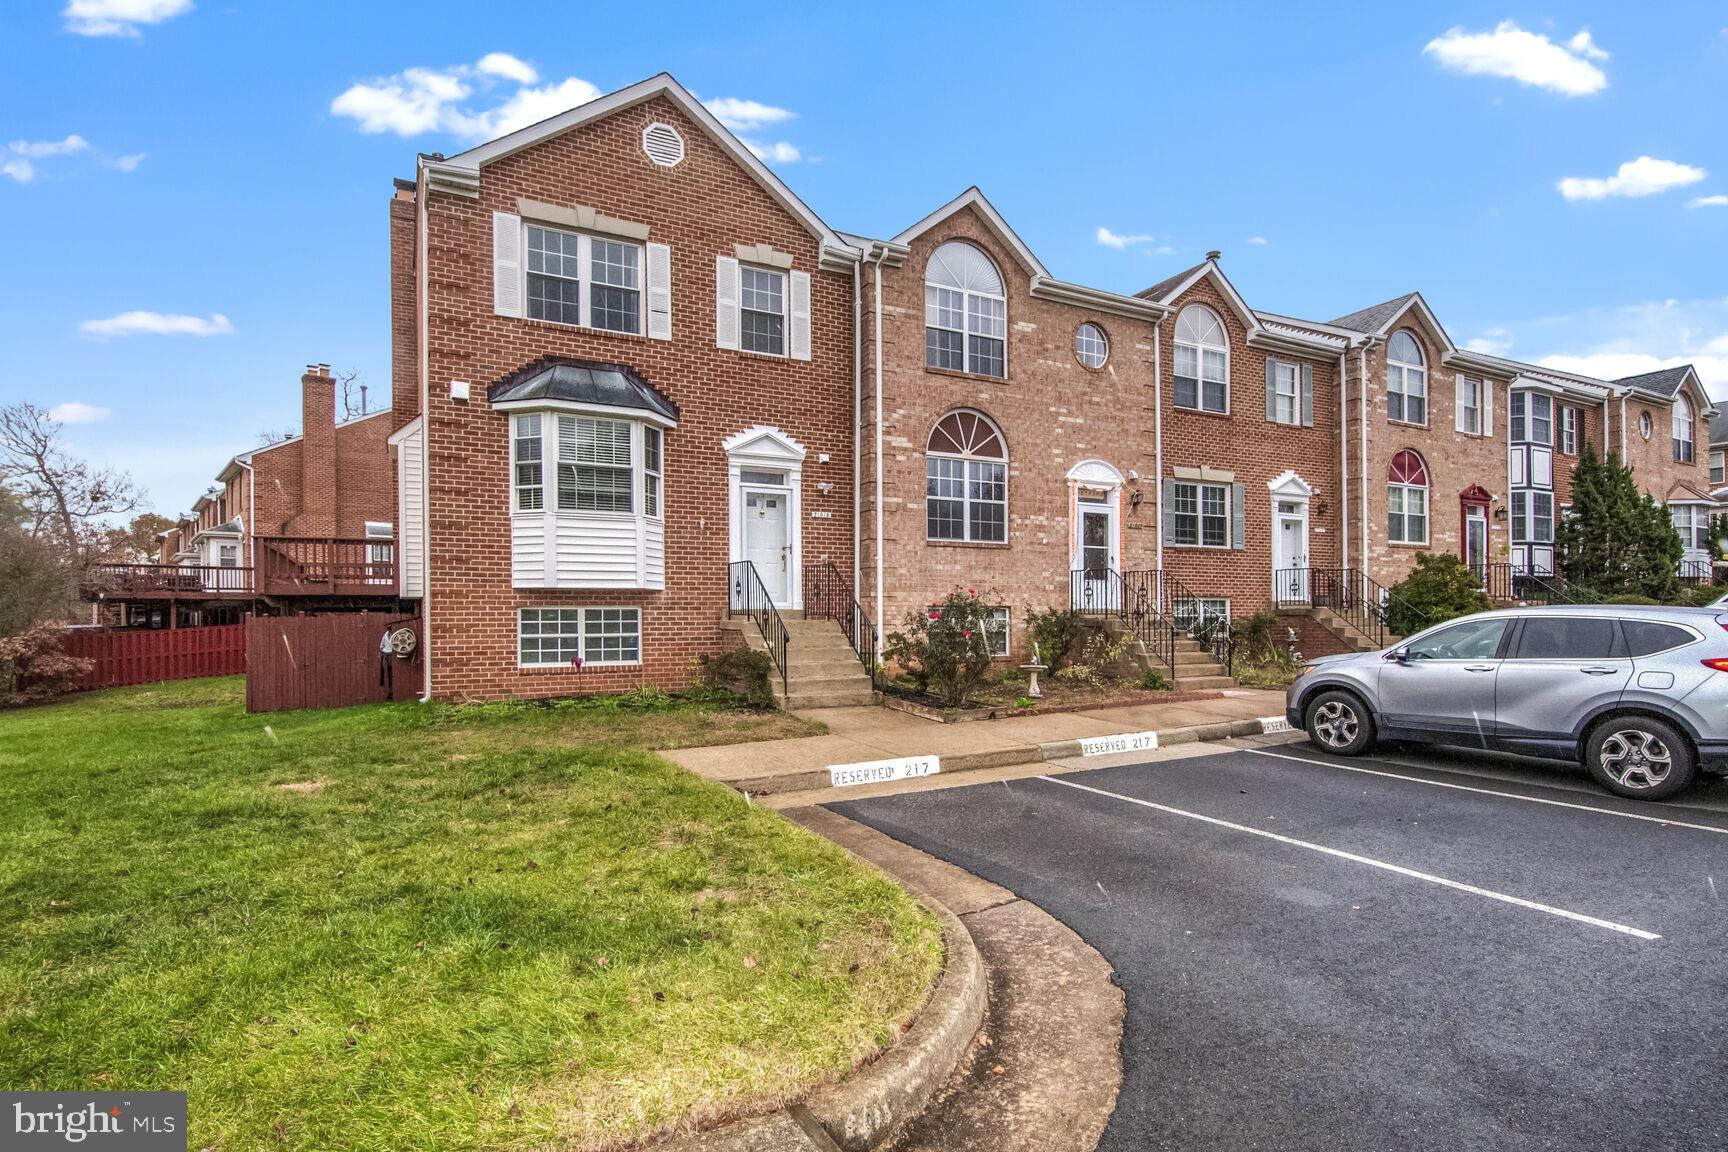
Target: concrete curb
817,778
858,1112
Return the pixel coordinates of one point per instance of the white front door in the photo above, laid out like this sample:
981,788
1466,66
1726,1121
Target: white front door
1476,540
1290,553
1095,554
767,540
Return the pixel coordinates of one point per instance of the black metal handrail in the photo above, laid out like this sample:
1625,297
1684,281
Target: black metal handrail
828,596
1530,586
1695,572
1216,635
749,597
1359,600
1131,597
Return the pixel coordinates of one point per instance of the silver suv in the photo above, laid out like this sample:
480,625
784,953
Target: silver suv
1640,695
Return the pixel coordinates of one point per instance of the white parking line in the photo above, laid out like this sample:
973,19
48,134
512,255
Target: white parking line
1484,791
1383,865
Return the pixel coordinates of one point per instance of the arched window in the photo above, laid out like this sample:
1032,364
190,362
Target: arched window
965,312
1202,360
966,479
1407,499
1406,379
1682,430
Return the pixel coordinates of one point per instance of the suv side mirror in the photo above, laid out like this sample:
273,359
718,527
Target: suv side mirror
1400,654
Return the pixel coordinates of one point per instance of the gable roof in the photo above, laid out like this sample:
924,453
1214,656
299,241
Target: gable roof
1175,286
975,199
1378,319
1167,287
1662,382
463,169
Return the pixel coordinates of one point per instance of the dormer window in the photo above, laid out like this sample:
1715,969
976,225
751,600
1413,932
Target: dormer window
965,312
1406,380
1202,361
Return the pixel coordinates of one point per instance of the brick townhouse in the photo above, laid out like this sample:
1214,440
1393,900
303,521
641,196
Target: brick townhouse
639,387
306,523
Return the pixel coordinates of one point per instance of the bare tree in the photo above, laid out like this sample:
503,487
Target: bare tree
353,395
267,438
63,499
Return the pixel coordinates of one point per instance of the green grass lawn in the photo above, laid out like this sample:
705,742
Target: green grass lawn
411,926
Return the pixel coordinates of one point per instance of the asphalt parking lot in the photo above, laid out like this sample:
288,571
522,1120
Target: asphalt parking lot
1397,952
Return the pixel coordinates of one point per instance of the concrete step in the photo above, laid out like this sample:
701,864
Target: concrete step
1203,683
857,698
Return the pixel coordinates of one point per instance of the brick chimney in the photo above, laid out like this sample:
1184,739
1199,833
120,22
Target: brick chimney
317,453
404,318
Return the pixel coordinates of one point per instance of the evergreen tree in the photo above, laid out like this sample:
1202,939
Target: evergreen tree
1616,540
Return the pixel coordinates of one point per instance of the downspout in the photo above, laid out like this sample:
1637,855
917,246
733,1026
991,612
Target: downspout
1158,437
251,522
881,255
420,290
1362,387
1622,427
857,425
1344,456
1605,401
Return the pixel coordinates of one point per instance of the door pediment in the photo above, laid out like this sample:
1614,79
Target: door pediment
1290,486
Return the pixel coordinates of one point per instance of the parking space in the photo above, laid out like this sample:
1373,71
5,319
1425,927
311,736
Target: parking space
1379,953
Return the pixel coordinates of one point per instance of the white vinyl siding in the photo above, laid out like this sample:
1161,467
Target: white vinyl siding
411,511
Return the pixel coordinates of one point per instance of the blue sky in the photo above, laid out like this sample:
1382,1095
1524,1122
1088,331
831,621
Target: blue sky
222,169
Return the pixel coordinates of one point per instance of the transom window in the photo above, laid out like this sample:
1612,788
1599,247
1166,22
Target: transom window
1202,360
965,312
1406,379
554,636
1201,514
1407,499
1469,405
762,311
1532,418
966,480
611,297
1683,446
1091,346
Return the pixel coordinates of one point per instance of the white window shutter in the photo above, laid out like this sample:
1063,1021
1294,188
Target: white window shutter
506,264
1487,407
1458,382
800,315
659,292
725,302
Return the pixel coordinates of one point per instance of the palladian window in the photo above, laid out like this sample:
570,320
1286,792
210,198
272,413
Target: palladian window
1406,380
1202,360
965,312
1407,499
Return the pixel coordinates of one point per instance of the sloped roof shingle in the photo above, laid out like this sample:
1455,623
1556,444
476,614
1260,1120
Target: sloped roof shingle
1166,286
1663,381
1375,318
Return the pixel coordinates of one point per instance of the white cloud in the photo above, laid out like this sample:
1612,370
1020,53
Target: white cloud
1717,201
745,115
1644,176
1527,57
1161,250
1119,242
505,65
37,149
19,161
1493,342
157,324
1624,340
779,152
1257,241
119,17
18,168
75,412
128,163
454,100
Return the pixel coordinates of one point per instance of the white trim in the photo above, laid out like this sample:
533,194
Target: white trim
1200,350
1093,474
1249,318
581,634
464,167
547,404
1289,488
1289,485
973,197
766,447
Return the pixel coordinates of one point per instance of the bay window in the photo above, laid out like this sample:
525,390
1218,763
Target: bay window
1692,521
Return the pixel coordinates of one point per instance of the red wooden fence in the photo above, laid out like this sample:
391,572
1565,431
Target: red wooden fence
326,661
164,654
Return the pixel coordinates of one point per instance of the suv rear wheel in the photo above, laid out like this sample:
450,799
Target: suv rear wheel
1640,757
1338,722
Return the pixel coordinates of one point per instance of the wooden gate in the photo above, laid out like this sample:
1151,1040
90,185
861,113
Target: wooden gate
148,657
327,661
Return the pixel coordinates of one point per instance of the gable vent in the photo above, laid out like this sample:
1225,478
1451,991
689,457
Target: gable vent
663,144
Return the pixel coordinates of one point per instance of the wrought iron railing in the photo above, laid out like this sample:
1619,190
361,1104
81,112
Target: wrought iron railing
1695,572
749,597
1360,601
1131,597
828,596
1187,613
1508,582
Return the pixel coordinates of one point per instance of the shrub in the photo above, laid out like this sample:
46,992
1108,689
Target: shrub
1098,661
34,665
944,649
1630,598
1055,633
644,698
1258,637
744,672
1439,588
1153,680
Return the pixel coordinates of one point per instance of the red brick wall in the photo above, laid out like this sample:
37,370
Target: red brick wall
1053,412
702,208
1256,451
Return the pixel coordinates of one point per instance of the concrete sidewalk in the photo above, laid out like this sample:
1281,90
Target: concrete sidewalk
858,735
